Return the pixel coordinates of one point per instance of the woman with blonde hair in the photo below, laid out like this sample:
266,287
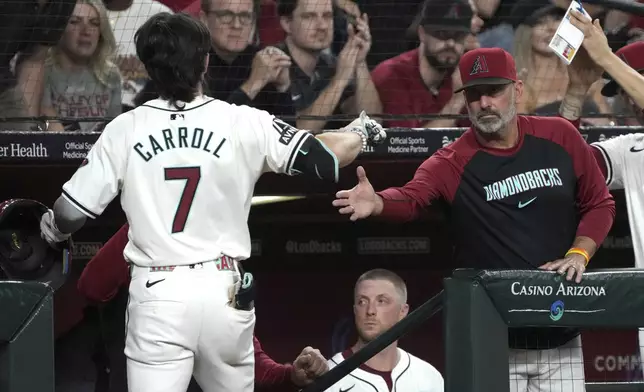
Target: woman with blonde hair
81,81
544,75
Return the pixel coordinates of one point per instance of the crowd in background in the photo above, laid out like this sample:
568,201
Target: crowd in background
307,61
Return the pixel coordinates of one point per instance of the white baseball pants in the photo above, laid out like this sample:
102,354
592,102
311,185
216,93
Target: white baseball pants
556,370
179,323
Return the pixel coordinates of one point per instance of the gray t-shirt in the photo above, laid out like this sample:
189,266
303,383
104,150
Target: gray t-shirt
79,94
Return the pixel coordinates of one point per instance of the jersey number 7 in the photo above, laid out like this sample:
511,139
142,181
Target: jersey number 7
191,175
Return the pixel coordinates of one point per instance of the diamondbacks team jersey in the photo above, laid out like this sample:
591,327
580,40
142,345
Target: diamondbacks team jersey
186,177
512,208
624,158
411,374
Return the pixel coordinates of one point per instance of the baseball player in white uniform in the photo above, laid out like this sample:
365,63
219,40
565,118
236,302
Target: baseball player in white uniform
620,159
185,166
380,301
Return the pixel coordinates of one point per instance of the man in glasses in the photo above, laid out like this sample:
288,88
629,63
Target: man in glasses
422,80
239,72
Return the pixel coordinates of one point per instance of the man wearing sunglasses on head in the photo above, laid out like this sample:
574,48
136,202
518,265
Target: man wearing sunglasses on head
423,80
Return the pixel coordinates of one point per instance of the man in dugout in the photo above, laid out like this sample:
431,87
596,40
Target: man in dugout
108,272
621,158
379,302
523,193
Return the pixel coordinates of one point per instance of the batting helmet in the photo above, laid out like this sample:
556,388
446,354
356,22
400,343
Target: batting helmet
24,255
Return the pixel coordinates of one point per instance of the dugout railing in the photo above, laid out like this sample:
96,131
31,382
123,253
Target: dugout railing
26,337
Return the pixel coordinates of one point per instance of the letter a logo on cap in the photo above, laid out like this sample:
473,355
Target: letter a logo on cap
453,12
623,57
479,66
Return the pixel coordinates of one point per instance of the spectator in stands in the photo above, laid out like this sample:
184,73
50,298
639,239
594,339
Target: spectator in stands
423,80
321,84
80,78
29,29
501,17
239,72
584,74
126,17
545,76
268,25
390,21
379,302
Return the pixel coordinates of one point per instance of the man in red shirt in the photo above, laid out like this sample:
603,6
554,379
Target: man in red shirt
422,80
108,272
523,193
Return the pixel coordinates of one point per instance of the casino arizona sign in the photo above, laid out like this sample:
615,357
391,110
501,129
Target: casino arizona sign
560,290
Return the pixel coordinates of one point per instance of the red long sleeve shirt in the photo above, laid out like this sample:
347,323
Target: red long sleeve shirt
108,271
512,208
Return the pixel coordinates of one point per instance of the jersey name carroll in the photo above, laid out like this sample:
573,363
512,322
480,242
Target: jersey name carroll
186,177
197,138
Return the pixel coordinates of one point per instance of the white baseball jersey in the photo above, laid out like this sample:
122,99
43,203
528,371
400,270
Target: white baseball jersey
186,177
624,157
411,374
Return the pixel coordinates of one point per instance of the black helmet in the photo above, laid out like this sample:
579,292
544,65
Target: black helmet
24,255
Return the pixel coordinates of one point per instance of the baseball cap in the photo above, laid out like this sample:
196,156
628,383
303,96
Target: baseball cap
485,66
453,15
633,55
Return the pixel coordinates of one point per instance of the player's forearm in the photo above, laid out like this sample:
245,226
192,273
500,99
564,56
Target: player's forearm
585,243
627,78
596,223
367,97
394,205
324,105
107,271
68,218
345,145
269,373
572,103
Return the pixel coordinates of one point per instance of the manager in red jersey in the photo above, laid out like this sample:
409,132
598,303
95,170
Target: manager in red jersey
524,192
108,272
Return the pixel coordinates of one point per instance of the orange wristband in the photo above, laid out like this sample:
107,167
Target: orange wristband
579,251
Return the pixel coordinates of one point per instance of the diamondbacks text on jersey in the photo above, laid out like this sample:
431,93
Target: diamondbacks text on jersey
411,374
187,186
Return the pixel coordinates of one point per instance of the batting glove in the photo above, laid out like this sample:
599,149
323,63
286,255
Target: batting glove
374,133
48,230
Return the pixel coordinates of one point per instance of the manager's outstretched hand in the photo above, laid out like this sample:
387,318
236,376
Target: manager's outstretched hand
361,201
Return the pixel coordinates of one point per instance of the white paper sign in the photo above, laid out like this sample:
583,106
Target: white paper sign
568,38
